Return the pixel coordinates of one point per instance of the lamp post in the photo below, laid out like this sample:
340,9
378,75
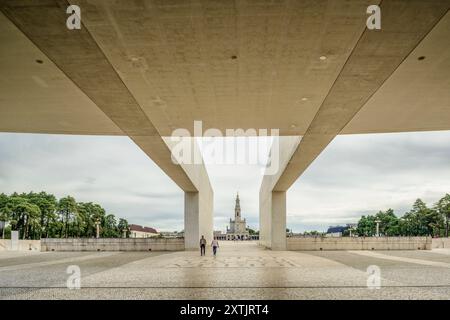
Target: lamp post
97,226
378,227
125,232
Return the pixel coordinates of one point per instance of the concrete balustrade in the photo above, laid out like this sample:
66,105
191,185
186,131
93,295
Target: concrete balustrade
360,243
107,244
22,245
440,243
178,244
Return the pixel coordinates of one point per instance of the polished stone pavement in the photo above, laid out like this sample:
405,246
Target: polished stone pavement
242,270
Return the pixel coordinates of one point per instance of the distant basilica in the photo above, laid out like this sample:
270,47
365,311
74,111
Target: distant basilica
238,226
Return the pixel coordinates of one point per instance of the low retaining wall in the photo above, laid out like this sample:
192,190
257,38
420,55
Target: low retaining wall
106,244
440,243
22,245
360,243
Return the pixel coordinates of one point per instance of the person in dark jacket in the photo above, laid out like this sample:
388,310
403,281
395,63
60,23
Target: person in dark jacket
202,246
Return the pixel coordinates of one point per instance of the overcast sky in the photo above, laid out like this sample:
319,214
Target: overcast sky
355,175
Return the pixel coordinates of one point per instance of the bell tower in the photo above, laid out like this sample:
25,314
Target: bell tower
237,208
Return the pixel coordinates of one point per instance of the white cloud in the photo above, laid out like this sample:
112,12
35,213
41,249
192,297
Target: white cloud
111,171
356,174
361,174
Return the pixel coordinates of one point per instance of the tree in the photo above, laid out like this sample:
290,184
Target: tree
314,233
3,201
67,207
109,227
389,225
32,229
3,215
23,216
421,220
90,213
47,203
366,226
123,227
37,215
442,207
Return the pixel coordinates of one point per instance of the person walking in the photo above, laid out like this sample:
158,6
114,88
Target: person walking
202,246
215,245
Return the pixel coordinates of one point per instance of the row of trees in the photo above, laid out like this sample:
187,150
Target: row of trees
419,221
41,215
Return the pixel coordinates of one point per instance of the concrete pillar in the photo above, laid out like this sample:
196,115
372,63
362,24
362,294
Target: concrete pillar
272,202
278,220
198,202
14,240
198,218
272,220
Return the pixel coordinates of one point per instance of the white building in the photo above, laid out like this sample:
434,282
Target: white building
137,231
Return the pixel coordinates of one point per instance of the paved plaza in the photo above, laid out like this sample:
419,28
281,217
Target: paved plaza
242,270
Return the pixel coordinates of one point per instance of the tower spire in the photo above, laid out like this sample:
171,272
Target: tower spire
237,207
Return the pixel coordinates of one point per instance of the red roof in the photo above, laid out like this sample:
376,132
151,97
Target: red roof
136,227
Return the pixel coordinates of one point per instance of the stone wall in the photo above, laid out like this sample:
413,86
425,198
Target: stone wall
360,243
105,244
293,243
23,245
440,243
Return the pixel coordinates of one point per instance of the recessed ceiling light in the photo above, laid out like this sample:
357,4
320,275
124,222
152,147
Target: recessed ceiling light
39,61
293,126
323,58
134,59
304,99
421,58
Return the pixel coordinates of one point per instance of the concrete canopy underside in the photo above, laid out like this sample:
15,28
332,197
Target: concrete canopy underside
374,59
146,68
96,82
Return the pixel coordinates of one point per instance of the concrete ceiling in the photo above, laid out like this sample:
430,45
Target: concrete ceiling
40,98
145,68
416,97
176,59
81,60
372,62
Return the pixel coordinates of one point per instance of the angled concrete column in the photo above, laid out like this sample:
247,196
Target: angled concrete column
265,214
278,217
80,57
272,220
198,203
374,59
191,220
198,210
198,219
272,204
